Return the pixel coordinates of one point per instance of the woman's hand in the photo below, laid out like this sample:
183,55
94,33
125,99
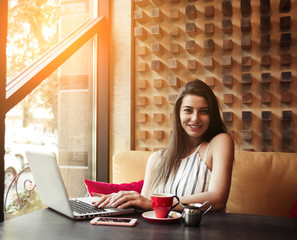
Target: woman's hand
123,199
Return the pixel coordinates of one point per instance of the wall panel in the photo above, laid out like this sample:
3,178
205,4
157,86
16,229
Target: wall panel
245,52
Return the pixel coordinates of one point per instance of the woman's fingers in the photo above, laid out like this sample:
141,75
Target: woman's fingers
122,199
136,201
129,204
119,199
130,199
104,200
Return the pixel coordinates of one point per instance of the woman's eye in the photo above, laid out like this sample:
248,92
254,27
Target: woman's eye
188,110
204,111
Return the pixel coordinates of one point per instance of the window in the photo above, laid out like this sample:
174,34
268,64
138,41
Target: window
62,89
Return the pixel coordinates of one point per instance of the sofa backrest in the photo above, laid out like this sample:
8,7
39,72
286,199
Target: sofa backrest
263,183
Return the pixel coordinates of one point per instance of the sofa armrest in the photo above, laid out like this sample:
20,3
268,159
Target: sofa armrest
129,166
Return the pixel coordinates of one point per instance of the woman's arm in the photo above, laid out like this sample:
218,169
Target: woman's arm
221,152
124,199
151,166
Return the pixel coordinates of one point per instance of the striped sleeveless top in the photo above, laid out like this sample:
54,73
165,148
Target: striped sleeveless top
192,176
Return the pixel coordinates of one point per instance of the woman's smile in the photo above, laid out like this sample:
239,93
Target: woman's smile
194,127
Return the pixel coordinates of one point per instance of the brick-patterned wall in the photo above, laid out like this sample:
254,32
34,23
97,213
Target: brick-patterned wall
246,52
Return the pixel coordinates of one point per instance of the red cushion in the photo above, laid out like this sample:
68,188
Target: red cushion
107,188
294,211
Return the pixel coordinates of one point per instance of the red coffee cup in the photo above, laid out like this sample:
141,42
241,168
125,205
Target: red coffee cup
162,204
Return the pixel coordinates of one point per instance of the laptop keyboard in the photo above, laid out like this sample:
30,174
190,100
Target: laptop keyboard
83,208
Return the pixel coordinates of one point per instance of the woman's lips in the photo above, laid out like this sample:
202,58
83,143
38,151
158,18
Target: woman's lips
194,127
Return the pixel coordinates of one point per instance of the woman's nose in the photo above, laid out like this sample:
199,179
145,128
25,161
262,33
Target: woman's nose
195,117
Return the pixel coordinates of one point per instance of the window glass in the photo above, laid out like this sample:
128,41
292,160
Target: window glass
33,27
57,116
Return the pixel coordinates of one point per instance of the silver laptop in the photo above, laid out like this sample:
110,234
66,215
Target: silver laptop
52,191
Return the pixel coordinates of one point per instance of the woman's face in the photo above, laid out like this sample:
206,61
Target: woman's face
194,116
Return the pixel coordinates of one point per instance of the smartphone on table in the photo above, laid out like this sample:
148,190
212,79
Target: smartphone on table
114,221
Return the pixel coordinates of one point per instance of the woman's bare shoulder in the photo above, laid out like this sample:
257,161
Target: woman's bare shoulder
155,158
222,138
222,145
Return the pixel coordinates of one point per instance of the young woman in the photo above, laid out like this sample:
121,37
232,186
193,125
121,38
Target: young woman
197,163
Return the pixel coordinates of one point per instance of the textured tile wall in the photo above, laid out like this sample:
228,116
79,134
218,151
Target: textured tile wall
244,50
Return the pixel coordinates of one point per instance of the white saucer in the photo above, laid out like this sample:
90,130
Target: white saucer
172,217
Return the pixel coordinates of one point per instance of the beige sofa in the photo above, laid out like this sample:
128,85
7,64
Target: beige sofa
263,183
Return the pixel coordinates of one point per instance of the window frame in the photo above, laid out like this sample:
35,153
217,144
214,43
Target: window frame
28,79
3,40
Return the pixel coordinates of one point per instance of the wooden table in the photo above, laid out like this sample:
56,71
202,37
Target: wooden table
47,224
